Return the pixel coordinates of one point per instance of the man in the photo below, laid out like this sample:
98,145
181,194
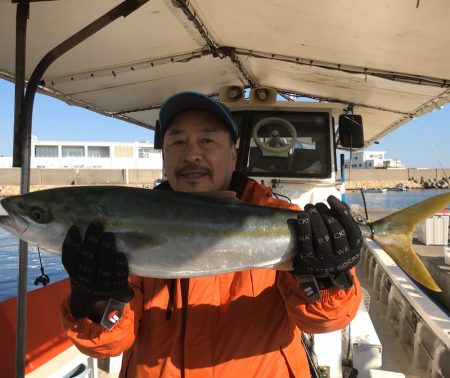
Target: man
245,324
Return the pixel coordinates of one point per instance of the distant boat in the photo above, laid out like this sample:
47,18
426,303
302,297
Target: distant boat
381,190
400,188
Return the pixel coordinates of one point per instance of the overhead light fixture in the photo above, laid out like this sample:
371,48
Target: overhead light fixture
440,102
420,112
429,107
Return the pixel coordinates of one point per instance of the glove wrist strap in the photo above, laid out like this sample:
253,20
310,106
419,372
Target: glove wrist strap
309,287
113,313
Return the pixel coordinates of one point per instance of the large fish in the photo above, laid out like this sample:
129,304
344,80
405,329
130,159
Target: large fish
173,235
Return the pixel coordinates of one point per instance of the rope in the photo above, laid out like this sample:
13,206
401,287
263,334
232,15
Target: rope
43,278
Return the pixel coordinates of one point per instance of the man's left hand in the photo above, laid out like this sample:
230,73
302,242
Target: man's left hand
329,244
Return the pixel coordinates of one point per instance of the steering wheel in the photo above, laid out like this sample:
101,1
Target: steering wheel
282,145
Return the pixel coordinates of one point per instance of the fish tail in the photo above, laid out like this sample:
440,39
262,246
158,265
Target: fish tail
394,234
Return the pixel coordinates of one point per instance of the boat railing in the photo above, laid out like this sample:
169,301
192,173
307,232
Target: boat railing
420,325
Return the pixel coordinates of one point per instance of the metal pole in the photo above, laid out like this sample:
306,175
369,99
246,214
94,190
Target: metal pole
21,41
18,157
342,178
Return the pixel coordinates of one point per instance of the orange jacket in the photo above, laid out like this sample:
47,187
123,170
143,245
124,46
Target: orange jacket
245,324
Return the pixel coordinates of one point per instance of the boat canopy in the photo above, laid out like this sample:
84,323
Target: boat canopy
389,59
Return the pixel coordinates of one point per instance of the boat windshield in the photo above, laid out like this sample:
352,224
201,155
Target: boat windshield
285,144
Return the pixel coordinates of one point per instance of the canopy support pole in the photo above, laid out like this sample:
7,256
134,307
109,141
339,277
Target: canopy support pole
21,41
18,158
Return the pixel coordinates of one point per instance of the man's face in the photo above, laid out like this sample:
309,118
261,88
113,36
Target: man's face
198,153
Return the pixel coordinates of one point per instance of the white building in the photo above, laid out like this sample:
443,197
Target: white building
6,161
372,159
83,154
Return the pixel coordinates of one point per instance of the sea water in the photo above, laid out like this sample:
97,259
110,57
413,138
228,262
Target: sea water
392,199
54,269
9,261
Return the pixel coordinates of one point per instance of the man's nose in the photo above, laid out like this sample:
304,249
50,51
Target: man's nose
192,151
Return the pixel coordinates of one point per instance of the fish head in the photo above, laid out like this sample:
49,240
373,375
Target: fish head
43,218
12,222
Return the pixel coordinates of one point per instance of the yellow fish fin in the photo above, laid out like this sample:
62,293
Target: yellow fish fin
403,254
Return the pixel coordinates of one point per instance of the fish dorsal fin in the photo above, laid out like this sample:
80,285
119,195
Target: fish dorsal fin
223,195
407,219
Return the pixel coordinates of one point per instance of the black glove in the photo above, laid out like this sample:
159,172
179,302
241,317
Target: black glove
98,275
329,244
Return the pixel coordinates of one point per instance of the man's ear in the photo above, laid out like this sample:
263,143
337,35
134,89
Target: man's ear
234,154
162,155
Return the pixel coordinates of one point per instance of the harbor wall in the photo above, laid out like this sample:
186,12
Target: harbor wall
38,176
399,174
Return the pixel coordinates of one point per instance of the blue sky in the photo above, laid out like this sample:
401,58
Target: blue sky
55,120
424,142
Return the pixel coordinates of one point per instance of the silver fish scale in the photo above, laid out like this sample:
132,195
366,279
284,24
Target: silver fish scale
164,234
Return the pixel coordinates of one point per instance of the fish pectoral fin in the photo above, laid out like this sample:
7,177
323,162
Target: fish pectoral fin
403,254
135,241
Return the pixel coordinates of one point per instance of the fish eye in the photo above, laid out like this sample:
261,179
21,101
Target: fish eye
39,215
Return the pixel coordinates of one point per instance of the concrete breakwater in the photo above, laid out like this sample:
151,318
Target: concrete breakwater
387,184
443,183
413,178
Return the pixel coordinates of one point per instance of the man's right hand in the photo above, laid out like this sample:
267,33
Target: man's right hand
98,275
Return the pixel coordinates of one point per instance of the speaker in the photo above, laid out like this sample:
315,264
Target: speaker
231,94
263,95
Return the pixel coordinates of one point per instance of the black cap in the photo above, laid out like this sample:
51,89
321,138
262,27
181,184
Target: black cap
184,101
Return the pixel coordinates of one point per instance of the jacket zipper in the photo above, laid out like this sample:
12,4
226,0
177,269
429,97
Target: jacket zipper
184,284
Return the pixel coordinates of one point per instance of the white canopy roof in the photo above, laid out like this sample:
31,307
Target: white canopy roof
390,58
